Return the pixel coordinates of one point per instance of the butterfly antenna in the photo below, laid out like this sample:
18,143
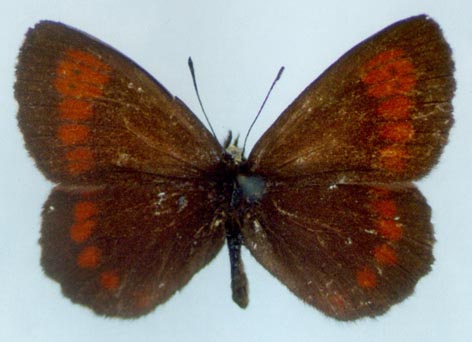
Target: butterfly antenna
279,74
192,71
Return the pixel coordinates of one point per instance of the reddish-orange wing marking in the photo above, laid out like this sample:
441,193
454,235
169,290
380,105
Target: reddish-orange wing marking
381,234
124,248
116,239
340,223
381,113
325,200
89,114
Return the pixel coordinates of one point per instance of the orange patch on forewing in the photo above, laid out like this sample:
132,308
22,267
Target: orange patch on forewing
389,73
80,74
390,229
393,158
70,134
383,58
89,257
110,280
390,76
395,86
366,278
79,160
395,108
80,77
399,132
74,109
384,254
81,231
86,58
83,210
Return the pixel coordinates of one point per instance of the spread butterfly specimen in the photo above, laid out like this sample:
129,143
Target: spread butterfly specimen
146,196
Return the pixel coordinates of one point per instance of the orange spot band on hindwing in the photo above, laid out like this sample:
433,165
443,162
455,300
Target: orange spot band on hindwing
109,280
81,231
83,210
384,254
385,208
83,225
70,134
366,278
89,257
390,229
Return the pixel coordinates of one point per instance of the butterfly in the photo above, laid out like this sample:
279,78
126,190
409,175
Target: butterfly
146,196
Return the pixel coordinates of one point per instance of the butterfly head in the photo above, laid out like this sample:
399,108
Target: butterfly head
236,153
232,150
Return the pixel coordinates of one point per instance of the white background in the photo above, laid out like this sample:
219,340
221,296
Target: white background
237,47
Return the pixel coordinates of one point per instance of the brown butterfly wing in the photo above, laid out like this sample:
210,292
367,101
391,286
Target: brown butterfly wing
349,250
88,113
121,249
132,219
382,112
338,224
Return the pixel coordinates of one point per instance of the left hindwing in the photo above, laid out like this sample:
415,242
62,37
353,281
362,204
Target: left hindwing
349,250
122,249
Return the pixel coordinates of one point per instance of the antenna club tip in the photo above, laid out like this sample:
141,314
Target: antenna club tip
279,74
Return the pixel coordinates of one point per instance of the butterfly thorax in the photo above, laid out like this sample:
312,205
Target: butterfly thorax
245,187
